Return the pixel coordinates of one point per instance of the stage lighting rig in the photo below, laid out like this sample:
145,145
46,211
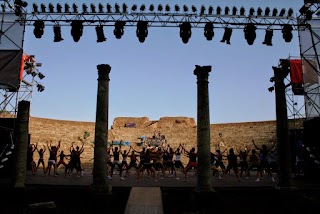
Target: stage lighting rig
100,6
226,10
282,12
160,8
109,8
210,10
287,32
268,37
124,8
250,33
59,8
142,7
38,28
75,8
119,29
251,11
76,30
234,11
51,8
267,11
66,8
84,8
117,8
43,8
290,12
194,8
185,32
274,12
242,11
57,33
100,34
167,8
176,8
202,10
93,8
227,35
142,30
185,8
40,87
208,31
35,8
151,8
219,10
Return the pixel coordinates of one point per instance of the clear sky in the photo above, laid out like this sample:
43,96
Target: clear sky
155,78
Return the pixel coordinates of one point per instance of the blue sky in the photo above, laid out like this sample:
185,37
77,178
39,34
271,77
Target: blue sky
155,78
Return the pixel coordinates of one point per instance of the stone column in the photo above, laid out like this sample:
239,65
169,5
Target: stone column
22,143
203,129
283,146
101,130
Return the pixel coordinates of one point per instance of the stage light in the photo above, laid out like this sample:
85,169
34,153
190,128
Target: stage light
41,76
160,8
274,12
202,10
250,33
18,5
151,8
43,8
142,7
290,12
35,8
259,11
100,34
227,35
219,10
193,8
57,33
124,8
304,8
268,37
185,32
234,11
251,11
66,8
117,8
8,153
134,7
38,28
185,8
282,12
270,89
93,8
75,8
176,8
267,11
100,6
226,10
84,8
167,8
287,33
210,10
109,8
51,8
242,11
119,29
76,30
4,159
208,31
142,30
40,87
59,8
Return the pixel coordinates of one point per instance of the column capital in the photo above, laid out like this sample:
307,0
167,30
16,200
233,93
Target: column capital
202,72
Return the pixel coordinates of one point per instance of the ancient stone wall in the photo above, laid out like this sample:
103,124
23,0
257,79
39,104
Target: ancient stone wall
177,130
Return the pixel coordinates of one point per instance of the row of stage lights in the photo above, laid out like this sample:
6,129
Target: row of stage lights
58,8
142,32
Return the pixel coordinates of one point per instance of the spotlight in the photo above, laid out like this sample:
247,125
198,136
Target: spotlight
18,5
290,12
84,8
251,11
193,8
100,34
167,8
268,37
202,10
160,8
41,76
210,10
59,8
176,8
57,33
93,8
76,30
219,10
242,11
134,7
185,8
274,12
142,7
100,6
270,89
40,87
282,12
185,32
208,31
4,159
142,30
117,8
267,11
109,8
75,8
287,32
259,11
124,8
8,153
227,35
43,8
66,8
234,11
38,28
250,33
51,8
151,8
226,10
35,8
118,29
